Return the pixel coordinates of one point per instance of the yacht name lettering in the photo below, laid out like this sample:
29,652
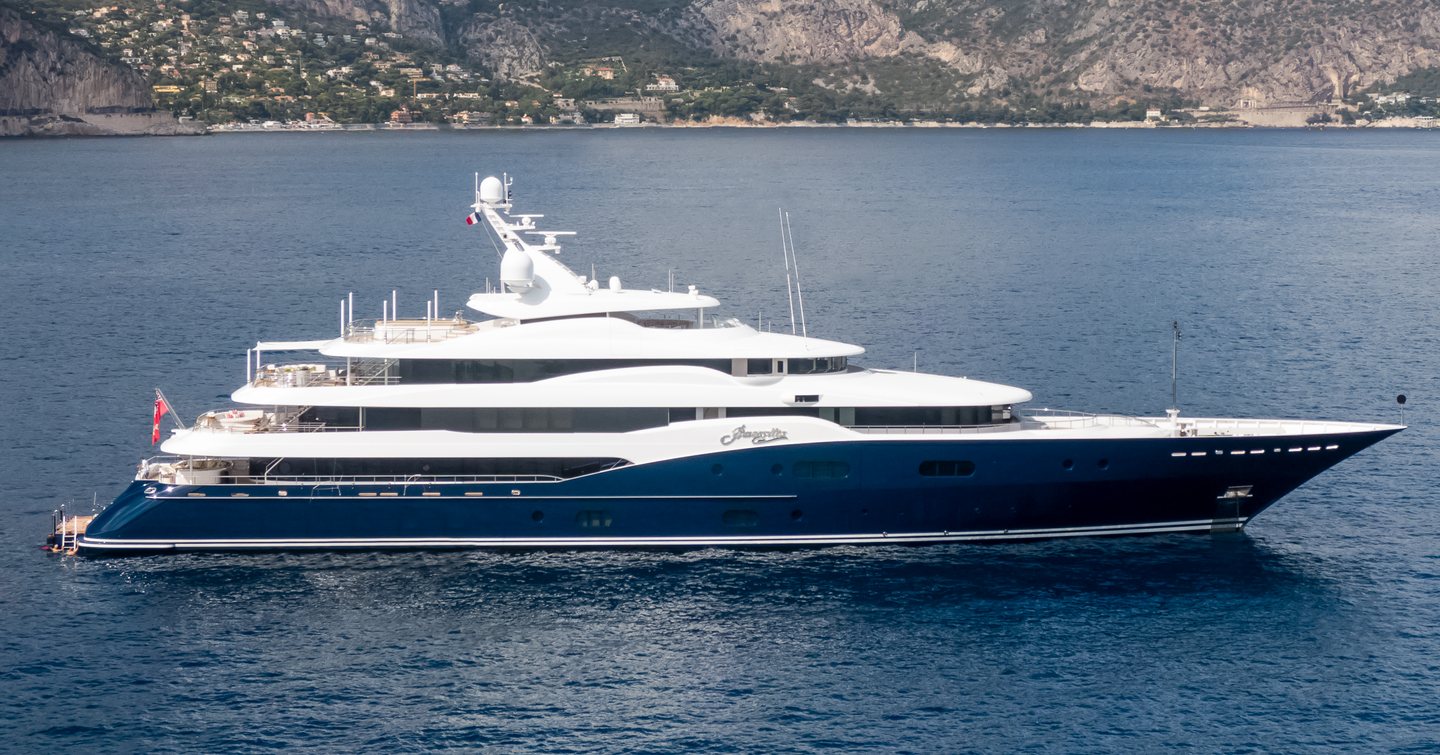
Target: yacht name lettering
756,436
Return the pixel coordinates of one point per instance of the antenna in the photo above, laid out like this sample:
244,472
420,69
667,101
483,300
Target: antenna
785,252
1174,364
795,263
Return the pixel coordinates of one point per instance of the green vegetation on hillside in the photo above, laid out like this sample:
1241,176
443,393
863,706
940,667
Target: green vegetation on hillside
248,60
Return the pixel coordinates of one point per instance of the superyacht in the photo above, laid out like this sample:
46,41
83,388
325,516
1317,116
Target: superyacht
576,413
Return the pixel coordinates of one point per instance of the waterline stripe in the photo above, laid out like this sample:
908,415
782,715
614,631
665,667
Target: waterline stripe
570,542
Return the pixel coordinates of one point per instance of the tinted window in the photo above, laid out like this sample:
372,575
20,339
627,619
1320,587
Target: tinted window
813,366
526,420
594,520
947,468
743,518
525,370
565,467
828,470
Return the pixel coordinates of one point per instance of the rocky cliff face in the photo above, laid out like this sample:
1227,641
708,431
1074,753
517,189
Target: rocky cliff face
507,47
417,19
1213,50
1216,51
51,83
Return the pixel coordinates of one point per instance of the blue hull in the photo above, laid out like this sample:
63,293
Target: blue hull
874,493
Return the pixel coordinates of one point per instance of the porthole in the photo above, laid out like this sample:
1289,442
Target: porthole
537,516
797,515
777,469
1068,464
1103,464
717,470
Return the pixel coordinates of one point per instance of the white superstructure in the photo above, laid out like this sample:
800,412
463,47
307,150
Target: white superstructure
558,341
568,366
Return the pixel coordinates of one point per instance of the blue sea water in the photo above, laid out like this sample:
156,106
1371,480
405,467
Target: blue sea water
1300,265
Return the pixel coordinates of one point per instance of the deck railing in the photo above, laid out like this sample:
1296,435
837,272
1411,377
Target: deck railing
407,330
1064,418
322,374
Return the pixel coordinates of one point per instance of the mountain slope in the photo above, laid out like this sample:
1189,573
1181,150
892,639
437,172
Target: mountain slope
1217,51
1011,60
52,83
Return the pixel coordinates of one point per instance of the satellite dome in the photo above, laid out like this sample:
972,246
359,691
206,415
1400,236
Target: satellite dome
492,191
517,271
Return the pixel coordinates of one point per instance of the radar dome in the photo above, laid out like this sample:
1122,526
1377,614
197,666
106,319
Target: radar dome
517,271
492,191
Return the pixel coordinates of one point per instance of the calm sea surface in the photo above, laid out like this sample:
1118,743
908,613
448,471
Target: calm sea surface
1300,265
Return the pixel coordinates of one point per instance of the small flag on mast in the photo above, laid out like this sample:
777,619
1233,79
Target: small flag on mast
472,218
162,407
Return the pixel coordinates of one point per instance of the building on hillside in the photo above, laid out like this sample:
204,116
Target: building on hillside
1393,98
473,118
663,84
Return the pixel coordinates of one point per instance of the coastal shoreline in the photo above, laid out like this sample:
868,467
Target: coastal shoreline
373,128
1393,124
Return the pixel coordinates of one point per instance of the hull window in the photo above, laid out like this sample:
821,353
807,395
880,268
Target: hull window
822,470
947,468
741,518
594,519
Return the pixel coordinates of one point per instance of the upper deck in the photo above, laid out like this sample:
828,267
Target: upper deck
611,336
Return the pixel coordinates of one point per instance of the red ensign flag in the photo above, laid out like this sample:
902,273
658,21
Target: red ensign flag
160,408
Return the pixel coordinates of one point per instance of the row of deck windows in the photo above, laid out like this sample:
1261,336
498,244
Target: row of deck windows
552,467
532,370
813,469
620,420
